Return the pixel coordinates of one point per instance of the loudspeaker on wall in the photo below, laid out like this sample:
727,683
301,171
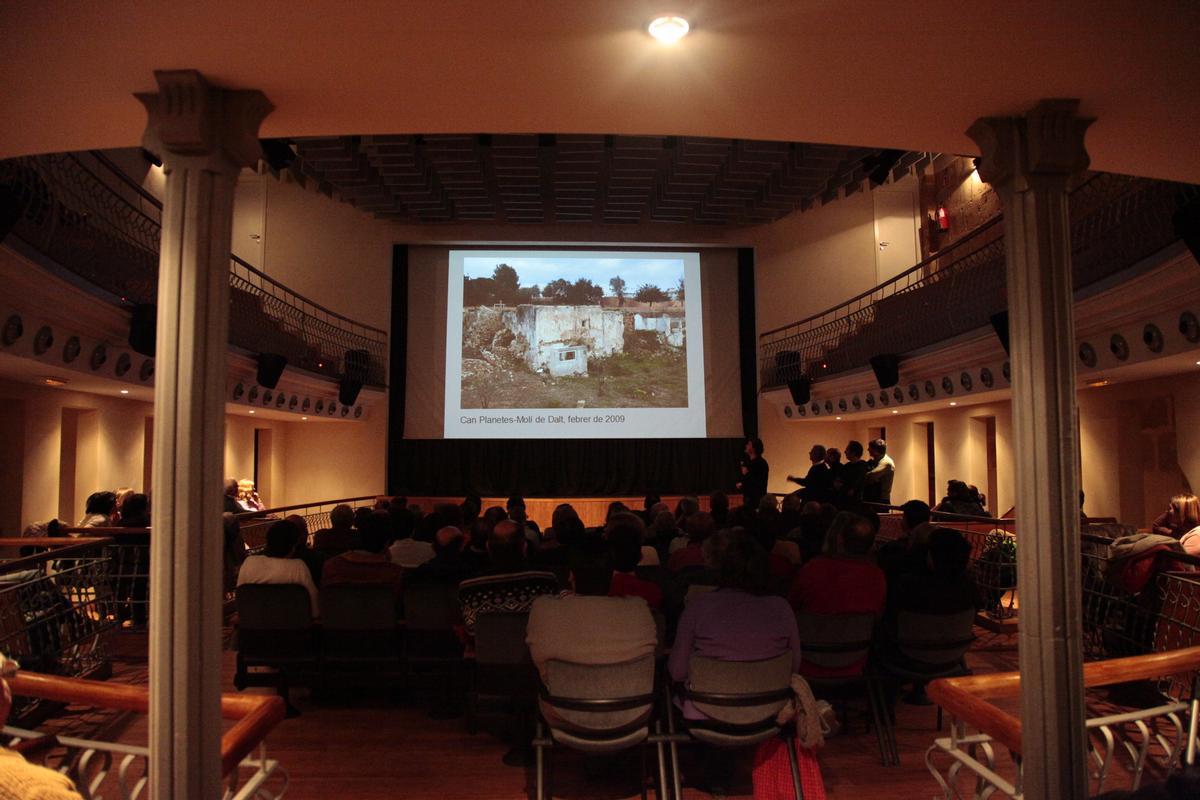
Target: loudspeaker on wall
142,329
887,369
270,369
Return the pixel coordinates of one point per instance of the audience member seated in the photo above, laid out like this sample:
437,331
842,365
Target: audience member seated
233,551
1190,541
943,586
340,536
100,511
906,555
313,560
588,626
407,551
647,512
687,505
507,583
842,580
960,500
624,533
517,512
718,506
779,567
135,511
699,527
450,563
1181,516
247,496
370,563
738,621
278,562
565,535
19,779
661,532
231,492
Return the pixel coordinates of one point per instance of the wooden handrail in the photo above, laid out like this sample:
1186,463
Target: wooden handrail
968,698
62,548
244,515
256,715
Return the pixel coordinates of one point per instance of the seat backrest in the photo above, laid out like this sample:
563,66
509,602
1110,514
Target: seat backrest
629,680
273,606
834,640
697,588
500,638
431,605
358,607
935,638
731,678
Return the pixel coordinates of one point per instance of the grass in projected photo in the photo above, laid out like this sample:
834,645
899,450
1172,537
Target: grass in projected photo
577,333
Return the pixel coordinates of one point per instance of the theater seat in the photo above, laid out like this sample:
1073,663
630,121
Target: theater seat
275,630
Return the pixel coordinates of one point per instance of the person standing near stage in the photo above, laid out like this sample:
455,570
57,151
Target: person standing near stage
755,470
818,483
881,469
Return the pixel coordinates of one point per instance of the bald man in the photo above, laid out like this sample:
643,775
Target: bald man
450,563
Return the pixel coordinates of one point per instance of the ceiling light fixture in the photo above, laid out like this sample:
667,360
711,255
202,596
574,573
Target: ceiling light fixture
303,419
953,403
252,411
52,381
894,411
669,28
837,417
124,391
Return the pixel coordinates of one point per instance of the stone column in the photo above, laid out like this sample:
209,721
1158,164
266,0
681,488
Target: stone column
1030,160
204,136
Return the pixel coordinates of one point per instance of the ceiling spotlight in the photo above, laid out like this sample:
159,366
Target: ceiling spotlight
303,418
668,28
252,411
124,391
953,403
837,417
49,380
894,411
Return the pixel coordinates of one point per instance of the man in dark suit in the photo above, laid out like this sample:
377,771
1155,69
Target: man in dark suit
818,483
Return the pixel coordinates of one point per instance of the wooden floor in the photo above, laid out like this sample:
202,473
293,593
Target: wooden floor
369,748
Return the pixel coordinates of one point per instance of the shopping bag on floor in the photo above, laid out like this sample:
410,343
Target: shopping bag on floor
773,773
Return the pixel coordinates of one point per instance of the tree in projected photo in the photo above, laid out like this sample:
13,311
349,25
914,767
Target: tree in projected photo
562,342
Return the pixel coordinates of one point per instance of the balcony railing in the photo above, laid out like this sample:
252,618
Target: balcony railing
1116,221
102,768
88,218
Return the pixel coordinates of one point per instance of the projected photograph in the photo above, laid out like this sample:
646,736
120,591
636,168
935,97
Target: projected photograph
574,332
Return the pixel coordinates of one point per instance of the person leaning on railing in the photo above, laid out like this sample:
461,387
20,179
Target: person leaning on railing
20,780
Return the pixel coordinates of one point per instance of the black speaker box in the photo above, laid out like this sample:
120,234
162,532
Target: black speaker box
143,329
270,369
801,390
355,365
1186,220
887,369
348,391
10,210
1000,326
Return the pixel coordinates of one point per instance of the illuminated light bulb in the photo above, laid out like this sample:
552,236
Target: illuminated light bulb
668,28
124,391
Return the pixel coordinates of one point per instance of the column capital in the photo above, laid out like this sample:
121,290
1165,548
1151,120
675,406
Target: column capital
1045,144
190,118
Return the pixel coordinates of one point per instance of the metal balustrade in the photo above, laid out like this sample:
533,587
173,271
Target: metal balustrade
103,766
57,608
1116,222
79,211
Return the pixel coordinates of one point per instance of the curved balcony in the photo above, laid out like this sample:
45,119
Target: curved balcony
1116,222
85,217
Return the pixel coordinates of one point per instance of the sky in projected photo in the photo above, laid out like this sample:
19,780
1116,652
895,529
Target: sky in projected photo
665,273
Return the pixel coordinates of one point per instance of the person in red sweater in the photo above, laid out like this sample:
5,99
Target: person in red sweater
624,533
699,527
841,581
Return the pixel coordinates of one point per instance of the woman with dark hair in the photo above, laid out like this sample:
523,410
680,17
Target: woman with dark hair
738,621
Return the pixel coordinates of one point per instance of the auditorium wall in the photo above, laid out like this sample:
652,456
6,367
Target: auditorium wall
60,445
